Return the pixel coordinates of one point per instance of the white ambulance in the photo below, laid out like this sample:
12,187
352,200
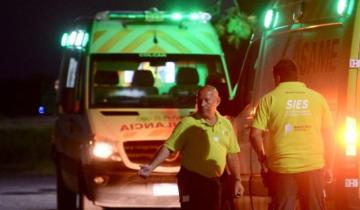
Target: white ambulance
126,79
323,37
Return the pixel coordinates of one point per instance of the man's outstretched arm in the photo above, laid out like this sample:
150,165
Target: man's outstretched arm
160,157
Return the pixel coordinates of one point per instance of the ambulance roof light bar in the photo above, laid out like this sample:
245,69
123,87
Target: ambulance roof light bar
75,39
154,15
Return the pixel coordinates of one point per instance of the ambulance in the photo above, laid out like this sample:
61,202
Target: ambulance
126,79
323,38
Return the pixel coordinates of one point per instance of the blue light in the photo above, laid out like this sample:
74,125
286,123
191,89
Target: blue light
41,110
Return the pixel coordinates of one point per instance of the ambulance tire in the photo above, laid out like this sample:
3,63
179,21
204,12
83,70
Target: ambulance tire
66,199
85,203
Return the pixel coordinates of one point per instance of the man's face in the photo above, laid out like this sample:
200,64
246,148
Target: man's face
207,102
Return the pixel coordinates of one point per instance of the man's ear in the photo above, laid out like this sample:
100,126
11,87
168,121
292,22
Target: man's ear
277,79
218,101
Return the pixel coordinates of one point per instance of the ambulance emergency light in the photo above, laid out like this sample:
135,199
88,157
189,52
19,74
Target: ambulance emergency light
351,136
345,7
155,15
77,39
271,18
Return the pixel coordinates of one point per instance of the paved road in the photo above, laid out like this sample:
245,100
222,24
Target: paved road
20,192
29,192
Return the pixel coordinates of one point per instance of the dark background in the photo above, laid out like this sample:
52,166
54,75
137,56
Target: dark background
31,52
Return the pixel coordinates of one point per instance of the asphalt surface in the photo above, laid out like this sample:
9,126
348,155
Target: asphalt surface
30,192
27,192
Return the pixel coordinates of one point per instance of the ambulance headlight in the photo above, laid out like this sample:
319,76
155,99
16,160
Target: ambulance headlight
102,150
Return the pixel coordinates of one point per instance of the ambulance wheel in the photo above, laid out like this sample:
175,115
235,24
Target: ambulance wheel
85,203
66,199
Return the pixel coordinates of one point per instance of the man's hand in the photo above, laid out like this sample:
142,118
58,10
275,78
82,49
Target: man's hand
145,171
328,176
238,189
160,157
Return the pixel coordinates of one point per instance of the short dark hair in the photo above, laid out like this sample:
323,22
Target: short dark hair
286,69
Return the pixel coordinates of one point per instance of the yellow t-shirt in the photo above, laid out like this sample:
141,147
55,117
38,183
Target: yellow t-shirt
203,147
294,115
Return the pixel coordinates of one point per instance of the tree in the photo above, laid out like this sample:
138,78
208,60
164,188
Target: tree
234,28
234,25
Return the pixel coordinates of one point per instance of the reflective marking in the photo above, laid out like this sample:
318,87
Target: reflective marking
354,63
70,81
156,49
202,43
349,183
165,189
173,42
138,41
113,40
97,35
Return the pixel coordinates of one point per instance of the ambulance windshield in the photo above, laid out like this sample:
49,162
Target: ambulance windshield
169,81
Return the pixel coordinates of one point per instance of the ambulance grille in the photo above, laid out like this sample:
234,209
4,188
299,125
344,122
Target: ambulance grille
142,152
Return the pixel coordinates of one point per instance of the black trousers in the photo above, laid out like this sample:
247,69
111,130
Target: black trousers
285,189
198,192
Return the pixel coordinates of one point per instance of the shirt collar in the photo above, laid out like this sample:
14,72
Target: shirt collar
203,121
291,84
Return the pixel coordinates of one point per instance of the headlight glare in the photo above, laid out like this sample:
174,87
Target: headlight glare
102,150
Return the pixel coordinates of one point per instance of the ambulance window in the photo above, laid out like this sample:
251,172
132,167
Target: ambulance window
137,81
70,83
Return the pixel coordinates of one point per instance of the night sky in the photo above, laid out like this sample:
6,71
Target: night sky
31,30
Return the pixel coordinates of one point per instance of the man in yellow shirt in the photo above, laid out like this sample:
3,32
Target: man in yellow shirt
301,143
207,142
